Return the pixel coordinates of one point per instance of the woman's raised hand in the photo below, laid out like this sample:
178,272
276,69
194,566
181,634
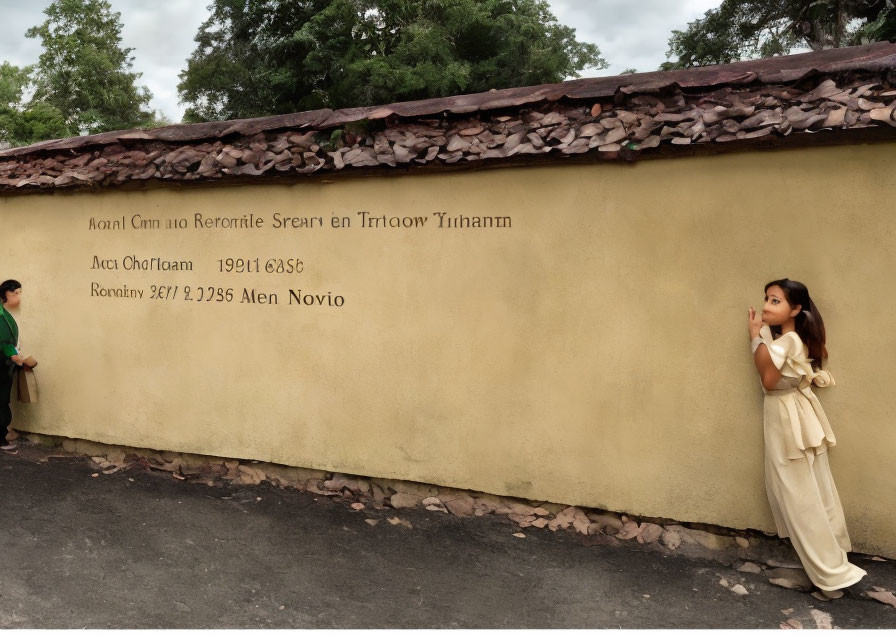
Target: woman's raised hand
754,323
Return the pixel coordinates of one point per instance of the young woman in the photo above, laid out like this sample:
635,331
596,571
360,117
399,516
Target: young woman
788,343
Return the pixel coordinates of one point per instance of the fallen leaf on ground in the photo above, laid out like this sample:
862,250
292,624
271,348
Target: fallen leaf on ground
823,620
783,565
740,590
519,535
791,623
371,522
882,596
790,579
787,583
750,567
629,530
393,520
357,506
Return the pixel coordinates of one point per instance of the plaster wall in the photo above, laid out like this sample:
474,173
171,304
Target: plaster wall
591,351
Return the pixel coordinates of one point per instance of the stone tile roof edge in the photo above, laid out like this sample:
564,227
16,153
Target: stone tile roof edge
879,56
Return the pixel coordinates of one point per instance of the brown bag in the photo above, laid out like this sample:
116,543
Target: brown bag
27,386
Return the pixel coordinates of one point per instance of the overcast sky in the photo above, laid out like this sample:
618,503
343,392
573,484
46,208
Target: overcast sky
629,33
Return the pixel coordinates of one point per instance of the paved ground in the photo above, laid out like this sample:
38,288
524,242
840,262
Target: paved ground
138,549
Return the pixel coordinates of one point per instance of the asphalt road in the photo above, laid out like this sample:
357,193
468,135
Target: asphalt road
138,549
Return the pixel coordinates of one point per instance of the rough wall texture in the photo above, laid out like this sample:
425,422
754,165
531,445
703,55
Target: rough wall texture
590,349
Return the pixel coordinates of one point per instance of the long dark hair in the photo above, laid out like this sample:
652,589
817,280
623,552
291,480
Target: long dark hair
808,323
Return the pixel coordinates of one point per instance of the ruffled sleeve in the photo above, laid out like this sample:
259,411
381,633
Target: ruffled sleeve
782,349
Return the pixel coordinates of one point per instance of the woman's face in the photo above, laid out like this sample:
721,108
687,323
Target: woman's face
777,310
13,298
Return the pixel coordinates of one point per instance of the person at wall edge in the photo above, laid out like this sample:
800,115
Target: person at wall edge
10,293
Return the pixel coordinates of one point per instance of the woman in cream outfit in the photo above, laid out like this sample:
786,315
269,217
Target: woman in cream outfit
798,480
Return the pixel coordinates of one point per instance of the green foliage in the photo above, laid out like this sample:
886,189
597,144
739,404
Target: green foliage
22,124
84,72
742,29
263,57
883,28
13,81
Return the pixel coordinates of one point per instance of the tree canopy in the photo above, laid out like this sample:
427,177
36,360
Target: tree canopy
742,29
84,72
264,57
22,123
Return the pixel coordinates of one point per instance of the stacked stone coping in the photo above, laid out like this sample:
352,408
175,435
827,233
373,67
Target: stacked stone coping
633,125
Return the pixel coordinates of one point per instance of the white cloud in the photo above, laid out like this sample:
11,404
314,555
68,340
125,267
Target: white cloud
629,33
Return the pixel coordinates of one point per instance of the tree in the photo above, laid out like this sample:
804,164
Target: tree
84,72
741,29
22,124
263,57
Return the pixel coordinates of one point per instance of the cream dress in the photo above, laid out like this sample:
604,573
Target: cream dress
798,480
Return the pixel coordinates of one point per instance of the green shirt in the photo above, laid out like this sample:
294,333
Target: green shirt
9,333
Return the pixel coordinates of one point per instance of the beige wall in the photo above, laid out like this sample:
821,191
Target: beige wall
594,353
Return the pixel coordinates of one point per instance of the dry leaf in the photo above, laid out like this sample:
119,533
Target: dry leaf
519,535
823,620
882,596
790,579
787,583
750,567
